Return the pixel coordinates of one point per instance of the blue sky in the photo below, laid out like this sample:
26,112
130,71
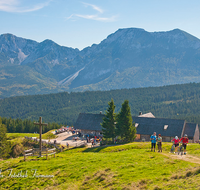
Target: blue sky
79,24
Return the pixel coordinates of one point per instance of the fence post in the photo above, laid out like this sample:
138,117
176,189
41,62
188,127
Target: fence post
47,153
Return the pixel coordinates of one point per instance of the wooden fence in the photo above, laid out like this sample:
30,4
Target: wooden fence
36,152
82,143
44,142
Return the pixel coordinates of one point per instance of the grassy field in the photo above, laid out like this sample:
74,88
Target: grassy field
19,135
12,136
130,166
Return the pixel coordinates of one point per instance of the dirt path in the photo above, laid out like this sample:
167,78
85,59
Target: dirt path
187,157
66,137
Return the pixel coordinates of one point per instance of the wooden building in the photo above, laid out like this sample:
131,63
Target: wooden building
168,128
89,123
145,126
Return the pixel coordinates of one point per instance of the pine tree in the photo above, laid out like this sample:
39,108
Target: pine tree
108,125
4,144
124,125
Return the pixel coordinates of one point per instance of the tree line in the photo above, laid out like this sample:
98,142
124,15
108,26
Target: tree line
120,124
174,101
25,126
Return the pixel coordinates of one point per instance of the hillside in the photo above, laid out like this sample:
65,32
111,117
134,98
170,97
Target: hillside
175,101
130,166
128,58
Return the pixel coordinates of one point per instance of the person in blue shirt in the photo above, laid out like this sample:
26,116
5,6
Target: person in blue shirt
153,141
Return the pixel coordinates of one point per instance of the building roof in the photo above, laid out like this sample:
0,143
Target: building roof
145,125
190,129
165,127
89,121
147,115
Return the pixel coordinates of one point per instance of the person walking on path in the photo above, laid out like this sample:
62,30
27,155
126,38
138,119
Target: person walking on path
153,141
67,145
159,143
176,143
185,142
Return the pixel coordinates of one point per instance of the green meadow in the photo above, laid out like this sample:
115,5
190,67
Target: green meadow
15,136
21,135
129,166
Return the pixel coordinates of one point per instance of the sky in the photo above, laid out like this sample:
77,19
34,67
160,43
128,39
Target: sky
81,23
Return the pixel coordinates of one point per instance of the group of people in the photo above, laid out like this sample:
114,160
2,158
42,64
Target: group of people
155,140
176,141
184,141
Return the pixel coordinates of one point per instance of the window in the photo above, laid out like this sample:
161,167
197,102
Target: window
165,127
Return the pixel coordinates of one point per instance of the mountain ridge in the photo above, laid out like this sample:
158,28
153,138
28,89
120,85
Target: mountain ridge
127,58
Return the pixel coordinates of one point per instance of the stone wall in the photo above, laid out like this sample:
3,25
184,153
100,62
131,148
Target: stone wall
90,132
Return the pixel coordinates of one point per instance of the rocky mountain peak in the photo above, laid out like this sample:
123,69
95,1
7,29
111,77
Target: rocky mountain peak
130,57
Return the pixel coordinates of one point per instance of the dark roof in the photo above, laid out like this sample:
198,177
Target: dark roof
190,129
149,125
89,121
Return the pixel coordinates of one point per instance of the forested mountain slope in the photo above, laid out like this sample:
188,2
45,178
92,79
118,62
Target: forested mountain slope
175,101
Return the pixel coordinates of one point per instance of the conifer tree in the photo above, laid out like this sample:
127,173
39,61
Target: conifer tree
4,144
124,125
108,124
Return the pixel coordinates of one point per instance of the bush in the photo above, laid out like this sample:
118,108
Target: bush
17,150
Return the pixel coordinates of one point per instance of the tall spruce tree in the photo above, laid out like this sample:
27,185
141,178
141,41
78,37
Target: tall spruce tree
5,147
124,126
108,124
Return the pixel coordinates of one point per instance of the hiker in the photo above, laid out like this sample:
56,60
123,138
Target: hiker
185,142
176,143
67,145
159,143
153,141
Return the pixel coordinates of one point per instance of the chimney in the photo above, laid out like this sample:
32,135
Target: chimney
140,113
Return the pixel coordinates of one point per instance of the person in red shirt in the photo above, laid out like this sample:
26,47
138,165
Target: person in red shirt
185,142
176,143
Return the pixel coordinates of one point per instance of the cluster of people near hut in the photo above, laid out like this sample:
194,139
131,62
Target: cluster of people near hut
176,142
67,129
94,139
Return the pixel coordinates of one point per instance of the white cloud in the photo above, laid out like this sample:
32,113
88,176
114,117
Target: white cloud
15,6
94,7
97,17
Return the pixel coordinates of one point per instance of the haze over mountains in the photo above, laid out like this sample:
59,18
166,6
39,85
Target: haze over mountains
127,58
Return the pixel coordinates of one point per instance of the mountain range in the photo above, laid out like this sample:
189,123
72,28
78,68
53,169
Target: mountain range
128,58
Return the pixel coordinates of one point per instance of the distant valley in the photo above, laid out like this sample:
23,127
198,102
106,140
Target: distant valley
128,58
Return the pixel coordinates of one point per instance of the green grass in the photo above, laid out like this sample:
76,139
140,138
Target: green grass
129,166
194,149
19,135
12,136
